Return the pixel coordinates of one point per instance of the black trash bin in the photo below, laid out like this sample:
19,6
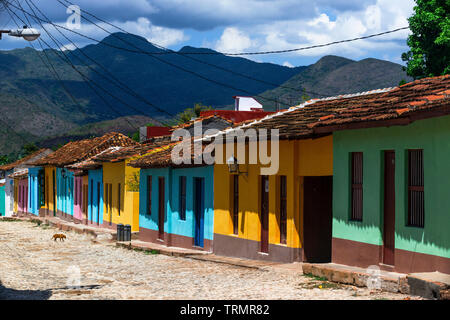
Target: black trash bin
127,233
120,232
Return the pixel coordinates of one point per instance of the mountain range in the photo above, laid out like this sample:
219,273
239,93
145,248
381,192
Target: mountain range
45,98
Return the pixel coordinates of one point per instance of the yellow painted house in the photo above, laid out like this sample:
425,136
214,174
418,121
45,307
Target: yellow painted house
284,215
243,228
49,208
120,186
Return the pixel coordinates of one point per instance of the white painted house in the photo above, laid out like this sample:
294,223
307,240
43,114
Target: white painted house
247,104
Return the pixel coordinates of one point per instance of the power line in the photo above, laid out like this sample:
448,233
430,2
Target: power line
154,57
85,79
264,52
182,54
120,84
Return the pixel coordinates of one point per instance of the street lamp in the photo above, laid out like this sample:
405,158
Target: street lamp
28,34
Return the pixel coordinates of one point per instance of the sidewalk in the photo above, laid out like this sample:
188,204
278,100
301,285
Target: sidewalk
431,285
67,226
161,249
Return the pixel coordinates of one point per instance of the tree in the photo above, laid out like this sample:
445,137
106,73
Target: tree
4,160
29,148
194,112
429,42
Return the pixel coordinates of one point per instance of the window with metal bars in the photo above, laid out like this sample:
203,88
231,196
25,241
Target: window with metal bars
283,209
416,203
235,193
149,195
182,197
356,213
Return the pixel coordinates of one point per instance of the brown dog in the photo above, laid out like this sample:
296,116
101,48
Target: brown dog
59,236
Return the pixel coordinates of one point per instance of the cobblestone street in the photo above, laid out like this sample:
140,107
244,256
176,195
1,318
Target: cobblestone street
32,266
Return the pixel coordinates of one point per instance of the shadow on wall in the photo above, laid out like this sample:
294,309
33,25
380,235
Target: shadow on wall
12,294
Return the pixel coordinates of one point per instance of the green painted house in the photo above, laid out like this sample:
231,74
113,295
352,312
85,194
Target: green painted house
391,184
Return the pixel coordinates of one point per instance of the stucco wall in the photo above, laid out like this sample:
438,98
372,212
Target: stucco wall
431,135
297,158
172,222
95,178
115,173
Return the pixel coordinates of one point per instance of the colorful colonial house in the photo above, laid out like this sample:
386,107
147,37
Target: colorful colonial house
20,191
176,205
391,195
283,214
11,168
59,181
120,192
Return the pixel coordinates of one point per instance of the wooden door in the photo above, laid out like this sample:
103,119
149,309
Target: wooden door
389,208
199,207
161,207
317,218
54,192
264,214
98,203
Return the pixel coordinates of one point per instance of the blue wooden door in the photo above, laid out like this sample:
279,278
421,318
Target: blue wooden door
199,211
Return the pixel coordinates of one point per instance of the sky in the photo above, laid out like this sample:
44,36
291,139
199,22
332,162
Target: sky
238,25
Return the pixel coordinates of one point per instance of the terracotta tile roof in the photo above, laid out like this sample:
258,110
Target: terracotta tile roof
161,157
201,119
425,97
81,150
24,161
21,174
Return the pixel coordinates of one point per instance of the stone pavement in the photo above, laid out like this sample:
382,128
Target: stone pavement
430,285
35,267
158,248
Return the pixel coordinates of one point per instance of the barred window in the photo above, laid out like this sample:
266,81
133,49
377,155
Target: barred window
357,186
416,203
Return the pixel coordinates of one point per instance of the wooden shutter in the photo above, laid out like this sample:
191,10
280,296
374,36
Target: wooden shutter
149,195
235,204
416,203
182,198
283,209
357,186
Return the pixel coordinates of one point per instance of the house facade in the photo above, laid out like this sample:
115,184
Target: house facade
12,168
36,192
265,217
391,176
176,205
60,179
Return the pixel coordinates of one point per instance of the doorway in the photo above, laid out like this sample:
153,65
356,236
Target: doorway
199,211
161,207
264,214
389,209
317,218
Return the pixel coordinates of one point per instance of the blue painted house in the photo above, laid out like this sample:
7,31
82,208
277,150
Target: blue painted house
36,190
95,196
60,187
176,204
64,192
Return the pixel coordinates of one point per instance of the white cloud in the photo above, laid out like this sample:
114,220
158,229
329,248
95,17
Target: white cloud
234,40
288,64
